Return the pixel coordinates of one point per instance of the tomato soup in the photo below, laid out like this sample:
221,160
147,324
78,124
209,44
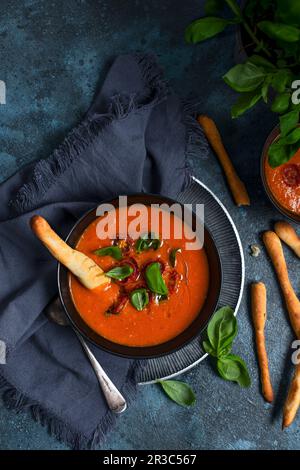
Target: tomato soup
163,292
284,183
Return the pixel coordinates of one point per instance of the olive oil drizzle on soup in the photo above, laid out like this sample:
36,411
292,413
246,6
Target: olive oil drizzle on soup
145,318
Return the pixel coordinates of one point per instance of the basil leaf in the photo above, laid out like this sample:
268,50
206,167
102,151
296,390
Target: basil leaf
179,392
113,251
205,28
147,242
291,138
277,154
139,298
245,77
155,280
120,272
222,330
288,122
172,256
233,368
245,102
280,31
209,348
281,103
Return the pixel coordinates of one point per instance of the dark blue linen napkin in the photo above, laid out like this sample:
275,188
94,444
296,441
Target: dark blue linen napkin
136,136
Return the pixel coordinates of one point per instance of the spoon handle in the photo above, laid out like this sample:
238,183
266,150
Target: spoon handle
114,398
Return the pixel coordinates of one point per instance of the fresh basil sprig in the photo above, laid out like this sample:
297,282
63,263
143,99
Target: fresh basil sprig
221,331
120,272
154,279
113,251
139,298
273,30
146,242
179,392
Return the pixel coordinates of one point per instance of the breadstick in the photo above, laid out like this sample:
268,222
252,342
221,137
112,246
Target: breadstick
88,272
288,235
293,400
237,187
274,248
259,316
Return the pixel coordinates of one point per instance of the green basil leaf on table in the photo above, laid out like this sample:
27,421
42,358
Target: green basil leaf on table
280,31
288,122
179,392
205,28
209,349
113,251
281,103
221,332
155,280
120,272
147,242
245,77
139,298
172,256
245,102
233,368
222,329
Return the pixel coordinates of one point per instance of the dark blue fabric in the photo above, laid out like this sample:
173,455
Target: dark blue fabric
135,137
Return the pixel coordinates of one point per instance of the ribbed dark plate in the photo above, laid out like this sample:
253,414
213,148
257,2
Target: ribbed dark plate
227,240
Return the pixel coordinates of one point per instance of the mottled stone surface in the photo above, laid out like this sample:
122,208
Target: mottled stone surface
53,56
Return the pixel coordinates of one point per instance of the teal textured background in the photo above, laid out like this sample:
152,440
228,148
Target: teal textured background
53,57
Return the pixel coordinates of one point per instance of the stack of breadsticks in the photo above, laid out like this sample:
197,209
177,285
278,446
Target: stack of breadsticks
286,233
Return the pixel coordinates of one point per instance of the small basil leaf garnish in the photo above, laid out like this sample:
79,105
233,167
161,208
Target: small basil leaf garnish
179,392
233,368
154,279
139,298
146,242
113,251
172,256
120,272
222,329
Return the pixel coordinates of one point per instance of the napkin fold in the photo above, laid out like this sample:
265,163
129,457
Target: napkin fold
137,136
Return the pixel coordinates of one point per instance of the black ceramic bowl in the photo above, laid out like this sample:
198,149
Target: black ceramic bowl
149,351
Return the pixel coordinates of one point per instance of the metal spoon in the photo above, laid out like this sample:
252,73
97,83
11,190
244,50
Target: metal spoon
114,398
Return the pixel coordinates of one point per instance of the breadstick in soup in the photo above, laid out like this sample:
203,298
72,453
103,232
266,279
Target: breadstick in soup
87,271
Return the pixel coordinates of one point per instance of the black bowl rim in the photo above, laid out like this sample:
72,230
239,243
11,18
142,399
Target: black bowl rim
273,135
139,356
